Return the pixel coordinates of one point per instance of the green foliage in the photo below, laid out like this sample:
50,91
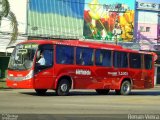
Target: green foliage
11,16
5,8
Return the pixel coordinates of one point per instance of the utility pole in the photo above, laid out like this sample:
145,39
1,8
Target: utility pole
116,8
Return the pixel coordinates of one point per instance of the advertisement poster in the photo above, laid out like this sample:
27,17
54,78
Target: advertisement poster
109,20
55,18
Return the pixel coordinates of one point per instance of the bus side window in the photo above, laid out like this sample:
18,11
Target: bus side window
47,51
103,58
135,60
120,59
48,56
64,54
148,61
81,58
84,56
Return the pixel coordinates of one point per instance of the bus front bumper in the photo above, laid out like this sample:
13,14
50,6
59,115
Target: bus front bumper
24,84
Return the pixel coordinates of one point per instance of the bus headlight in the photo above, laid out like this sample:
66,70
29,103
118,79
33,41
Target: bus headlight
29,76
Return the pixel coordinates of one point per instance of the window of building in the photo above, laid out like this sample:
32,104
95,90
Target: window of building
135,60
84,56
120,59
145,29
142,29
64,54
103,58
148,29
148,61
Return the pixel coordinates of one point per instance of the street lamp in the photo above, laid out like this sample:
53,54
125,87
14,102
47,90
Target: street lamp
117,31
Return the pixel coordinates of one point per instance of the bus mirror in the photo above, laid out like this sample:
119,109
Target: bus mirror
38,55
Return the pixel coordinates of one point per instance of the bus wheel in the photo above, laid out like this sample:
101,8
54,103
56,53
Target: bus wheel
125,88
41,91
102,91
63,87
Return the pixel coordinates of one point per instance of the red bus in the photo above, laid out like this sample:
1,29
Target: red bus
74,64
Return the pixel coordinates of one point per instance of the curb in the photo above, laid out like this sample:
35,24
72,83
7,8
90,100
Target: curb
3,84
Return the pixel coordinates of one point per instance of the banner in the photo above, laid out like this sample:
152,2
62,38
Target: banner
55,18
109,20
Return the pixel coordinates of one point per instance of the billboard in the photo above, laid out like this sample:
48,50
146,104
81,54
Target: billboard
55,18
109,20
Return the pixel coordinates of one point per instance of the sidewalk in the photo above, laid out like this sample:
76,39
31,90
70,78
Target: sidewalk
2,79
156,87
3,83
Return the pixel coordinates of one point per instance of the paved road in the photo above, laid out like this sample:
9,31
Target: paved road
79,102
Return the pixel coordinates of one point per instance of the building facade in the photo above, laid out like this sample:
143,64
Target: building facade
147,29
147,25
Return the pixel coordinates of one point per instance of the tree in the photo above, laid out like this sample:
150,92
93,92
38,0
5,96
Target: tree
7,13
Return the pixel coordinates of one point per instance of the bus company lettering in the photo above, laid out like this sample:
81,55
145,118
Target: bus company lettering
122,73
83,72
112,73
117,73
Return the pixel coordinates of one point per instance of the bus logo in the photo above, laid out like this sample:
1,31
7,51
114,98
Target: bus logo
83,72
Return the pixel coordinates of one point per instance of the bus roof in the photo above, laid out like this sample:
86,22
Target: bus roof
90,44
75,43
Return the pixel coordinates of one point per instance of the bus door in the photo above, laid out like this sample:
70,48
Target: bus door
103,62
148,71
44,67
136,70
137,78
120,63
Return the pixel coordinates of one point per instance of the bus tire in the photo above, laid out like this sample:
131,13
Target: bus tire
41,91
63,88
102,91
125,88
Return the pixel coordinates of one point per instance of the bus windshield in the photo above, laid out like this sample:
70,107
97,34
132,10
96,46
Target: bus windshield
22,56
